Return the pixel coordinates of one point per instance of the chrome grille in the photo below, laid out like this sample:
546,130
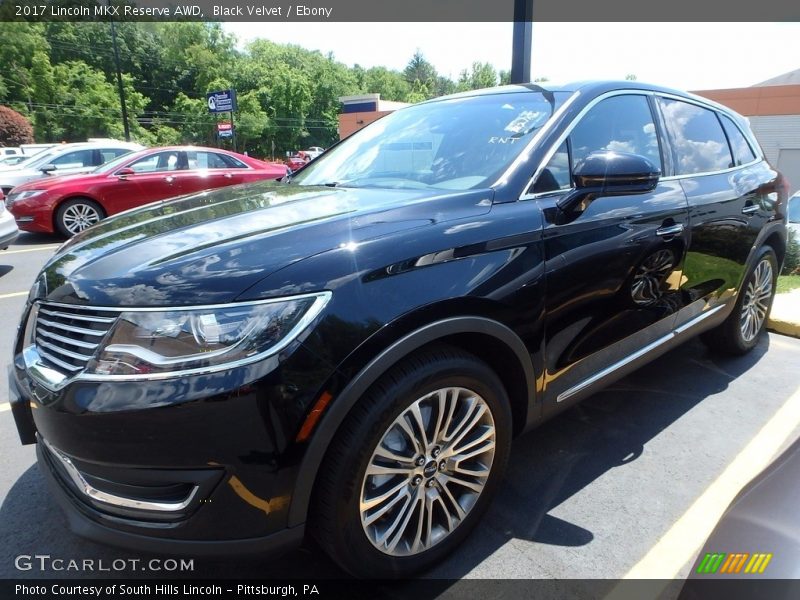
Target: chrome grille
66,337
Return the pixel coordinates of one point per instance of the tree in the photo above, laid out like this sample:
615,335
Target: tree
15,129
419,72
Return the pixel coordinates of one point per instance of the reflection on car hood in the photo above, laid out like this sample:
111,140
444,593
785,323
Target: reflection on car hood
210,247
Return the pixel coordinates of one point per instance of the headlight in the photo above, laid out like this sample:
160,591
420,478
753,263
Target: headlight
16,197
202,339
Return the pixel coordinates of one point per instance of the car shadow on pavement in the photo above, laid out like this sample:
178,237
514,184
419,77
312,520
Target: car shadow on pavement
547,466
37,239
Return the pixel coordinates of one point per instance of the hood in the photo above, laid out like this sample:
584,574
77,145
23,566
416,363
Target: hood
210,247
48,182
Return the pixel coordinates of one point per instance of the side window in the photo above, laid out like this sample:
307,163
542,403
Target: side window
163,161
697,138
71,160
556,175
231,162
107,154
742,152
621,123
206,160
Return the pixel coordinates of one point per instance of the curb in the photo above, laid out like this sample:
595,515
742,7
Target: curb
785,315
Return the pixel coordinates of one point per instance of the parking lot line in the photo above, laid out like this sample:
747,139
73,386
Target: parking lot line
684,539
13,295
37,249
4,406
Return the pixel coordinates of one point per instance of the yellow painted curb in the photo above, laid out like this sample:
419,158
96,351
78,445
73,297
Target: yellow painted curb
783,326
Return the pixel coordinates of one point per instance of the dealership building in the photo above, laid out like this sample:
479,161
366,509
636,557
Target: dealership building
773,109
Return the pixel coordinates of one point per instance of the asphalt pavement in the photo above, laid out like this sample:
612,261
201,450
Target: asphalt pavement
588,495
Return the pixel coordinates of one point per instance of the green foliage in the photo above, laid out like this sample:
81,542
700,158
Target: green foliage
791,264
62,76
15,129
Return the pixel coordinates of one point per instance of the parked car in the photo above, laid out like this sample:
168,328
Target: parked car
70,204
794,215
64,159
8,228
349,353
314,151
297,160
10,161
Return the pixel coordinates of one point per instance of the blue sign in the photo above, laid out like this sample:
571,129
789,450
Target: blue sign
222,101
225,133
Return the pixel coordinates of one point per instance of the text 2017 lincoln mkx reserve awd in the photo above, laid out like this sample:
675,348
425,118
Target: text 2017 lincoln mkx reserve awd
348,353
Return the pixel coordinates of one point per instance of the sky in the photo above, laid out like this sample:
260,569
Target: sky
689,56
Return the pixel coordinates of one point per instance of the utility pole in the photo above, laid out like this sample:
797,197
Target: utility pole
121,89
522,37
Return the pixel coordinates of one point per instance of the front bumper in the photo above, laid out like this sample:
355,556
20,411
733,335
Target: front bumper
219,450
8,229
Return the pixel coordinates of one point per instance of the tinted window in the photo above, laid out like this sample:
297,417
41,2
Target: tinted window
163,161
556,175
699,144
211,160
71,160
742,152
107,154
621,123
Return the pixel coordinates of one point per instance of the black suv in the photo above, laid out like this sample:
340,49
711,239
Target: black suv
350,352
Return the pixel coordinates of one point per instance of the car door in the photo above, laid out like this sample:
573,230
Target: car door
728,202
154,178
208,170
613,265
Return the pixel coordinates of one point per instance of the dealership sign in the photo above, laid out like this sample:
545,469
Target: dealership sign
224,129
222,101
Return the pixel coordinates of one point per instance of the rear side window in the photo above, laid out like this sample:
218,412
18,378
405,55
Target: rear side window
212,160
107,154
698,141
742,152
620,123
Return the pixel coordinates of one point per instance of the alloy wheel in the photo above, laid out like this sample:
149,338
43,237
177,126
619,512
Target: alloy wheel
78,217
756,300
427,471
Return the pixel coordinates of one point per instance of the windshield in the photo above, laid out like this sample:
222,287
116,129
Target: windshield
794,209
117,162
456,144
33,161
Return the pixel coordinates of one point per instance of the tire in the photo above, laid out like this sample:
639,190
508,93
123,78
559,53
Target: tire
394,537
740,332
73,216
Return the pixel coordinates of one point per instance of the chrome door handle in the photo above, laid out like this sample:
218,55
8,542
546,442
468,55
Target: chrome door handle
670,230
169,179
750,209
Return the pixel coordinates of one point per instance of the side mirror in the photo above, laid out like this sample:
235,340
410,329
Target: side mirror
610,173
124,172
48,168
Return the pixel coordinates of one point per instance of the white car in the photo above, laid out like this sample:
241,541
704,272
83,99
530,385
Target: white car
314,152
794,215
10,151
8,226
63,159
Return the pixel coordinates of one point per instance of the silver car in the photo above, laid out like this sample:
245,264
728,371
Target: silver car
794,215
64,159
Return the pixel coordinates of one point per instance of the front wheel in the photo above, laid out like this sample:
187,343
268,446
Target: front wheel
73,216
414,465
739,333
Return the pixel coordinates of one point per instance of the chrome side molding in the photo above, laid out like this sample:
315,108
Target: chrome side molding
589,381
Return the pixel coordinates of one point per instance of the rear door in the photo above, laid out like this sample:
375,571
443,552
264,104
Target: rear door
614,266
728,205
155,177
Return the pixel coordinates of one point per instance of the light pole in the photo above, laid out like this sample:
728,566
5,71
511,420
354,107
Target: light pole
522,36
121,89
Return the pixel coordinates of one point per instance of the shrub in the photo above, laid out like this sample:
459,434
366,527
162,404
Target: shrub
791,265
14,128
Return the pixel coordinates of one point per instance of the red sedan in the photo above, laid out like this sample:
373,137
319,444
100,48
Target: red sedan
70,204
